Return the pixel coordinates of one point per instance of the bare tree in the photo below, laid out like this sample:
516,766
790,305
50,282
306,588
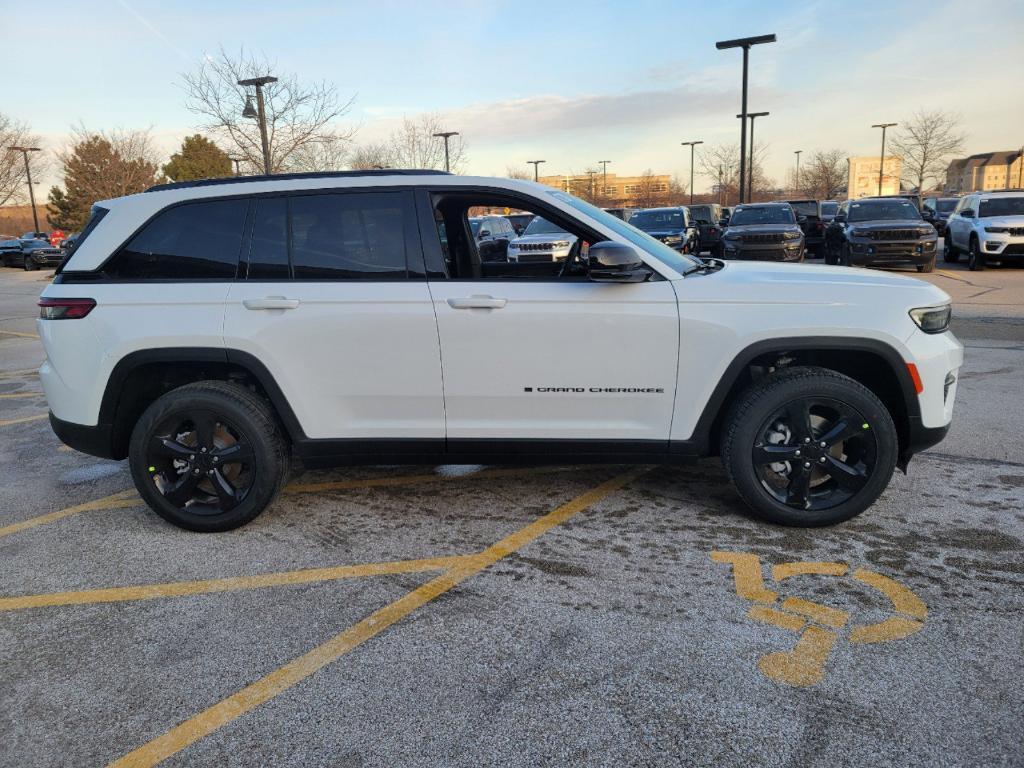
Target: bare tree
298,114
13,184
649,193
822,176
518,173
678,192
414,144
926,142
366,157
329,153
721,164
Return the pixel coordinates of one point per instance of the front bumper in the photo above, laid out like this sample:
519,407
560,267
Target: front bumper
997,244
864,251
792,250
45,258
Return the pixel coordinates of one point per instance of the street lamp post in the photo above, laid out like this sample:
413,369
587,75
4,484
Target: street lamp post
797,152
750,168
604,176
691,145
260,113
28,177
745,43
592,174
881,166
446,135
535,164
236,161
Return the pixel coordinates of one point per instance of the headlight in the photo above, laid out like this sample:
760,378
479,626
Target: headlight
673,238
925,231
996,230
857,232
731,235
932,319
561,244
791,235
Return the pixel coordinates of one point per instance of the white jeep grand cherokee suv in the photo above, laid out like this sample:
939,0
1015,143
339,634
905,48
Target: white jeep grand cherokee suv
211,331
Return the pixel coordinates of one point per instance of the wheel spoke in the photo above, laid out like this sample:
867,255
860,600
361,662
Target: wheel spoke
798,419
799,485
770,454
842,430
181,492
848,478
240,453
170,449
226,492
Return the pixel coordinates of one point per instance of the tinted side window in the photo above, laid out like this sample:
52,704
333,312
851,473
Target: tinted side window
195,241
268,252
351,235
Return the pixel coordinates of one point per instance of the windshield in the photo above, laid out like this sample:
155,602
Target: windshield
805,207
702,213
946,204
652,220
883,210
541,226
829,208
762,214
656,248
1001,206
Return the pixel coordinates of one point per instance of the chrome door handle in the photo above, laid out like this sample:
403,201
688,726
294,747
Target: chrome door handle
477,302
270,302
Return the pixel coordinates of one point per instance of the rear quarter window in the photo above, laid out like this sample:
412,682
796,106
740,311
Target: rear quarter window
193,241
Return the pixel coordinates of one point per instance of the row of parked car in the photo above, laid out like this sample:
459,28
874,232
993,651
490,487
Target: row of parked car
34,250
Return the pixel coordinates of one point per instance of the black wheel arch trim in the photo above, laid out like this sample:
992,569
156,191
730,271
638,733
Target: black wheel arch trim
702,436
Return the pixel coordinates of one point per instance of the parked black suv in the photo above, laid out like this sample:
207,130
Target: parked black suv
39,253
763,232
936,212
808,216
708,219
673,226
880,230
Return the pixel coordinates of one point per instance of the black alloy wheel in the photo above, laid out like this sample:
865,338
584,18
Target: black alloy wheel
814,453
975,261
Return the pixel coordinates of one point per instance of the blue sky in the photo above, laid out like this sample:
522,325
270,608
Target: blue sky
571,82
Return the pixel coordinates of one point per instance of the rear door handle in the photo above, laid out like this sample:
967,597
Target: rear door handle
477,302
270,302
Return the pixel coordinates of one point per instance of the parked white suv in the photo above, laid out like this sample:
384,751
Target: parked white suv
211,331
986,225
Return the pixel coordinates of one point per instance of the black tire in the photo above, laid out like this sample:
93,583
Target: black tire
975,261
208,498
830,256
929,267
29,265
950,254
850,472
844,255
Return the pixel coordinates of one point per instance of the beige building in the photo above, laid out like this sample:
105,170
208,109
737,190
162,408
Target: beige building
985,171
613,190
863,180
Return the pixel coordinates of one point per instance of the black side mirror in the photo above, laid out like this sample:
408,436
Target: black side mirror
610,262
724,221
840,218
801,219
484,233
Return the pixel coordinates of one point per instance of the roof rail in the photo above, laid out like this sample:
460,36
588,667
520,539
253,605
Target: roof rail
289,176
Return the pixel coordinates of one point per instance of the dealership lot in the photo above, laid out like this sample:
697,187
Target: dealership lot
467,616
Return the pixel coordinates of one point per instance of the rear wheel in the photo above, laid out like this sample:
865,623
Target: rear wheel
208,456
950,254
809,447
975,261
844,255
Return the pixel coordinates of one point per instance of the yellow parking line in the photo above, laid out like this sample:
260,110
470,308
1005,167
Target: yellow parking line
283,678
10,395
23,420
17,333
820,614
785,570
903,600
230,584
776,618
117,500
951,275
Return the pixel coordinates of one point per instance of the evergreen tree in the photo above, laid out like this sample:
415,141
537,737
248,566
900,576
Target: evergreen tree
198,158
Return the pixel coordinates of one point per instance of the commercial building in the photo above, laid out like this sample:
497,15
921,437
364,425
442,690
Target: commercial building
863,179
613,190
985,171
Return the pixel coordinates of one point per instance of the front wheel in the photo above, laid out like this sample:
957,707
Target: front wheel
208,456
950,254
808,447
29,265
975,261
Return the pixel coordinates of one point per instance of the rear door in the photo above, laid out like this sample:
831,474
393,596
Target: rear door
335,303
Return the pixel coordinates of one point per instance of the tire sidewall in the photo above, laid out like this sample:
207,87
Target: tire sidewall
744,475
265,471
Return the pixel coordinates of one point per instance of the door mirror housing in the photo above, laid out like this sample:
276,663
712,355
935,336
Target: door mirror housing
610,262
724,221
840,218
485,233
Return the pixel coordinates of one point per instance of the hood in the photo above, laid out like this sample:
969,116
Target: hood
757,229
888,224
664,232
1002,221
550,238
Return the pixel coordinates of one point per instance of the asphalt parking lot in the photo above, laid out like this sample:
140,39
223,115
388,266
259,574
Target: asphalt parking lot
469,616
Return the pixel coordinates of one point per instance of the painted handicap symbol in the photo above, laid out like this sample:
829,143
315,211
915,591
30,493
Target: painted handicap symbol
817,624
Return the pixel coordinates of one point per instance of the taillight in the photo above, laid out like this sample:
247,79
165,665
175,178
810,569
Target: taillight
65,309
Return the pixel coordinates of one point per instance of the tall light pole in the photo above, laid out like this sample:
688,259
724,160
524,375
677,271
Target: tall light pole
745,43
535,164
797,185
236,161
446,135
750,168
28,176
881,166
604,176
260,113
691,145
592,174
